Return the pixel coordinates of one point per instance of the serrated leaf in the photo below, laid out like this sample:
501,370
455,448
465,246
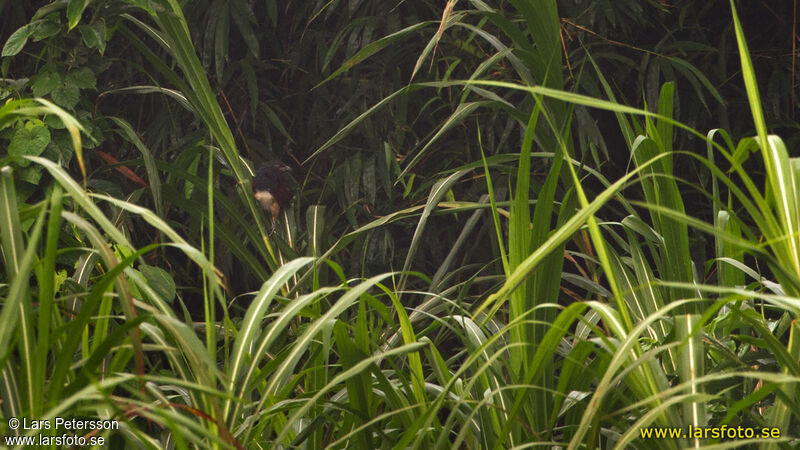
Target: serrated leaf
31,174
75,11
160,281
44,83
82,78
30,141
60,148
17,41
66,95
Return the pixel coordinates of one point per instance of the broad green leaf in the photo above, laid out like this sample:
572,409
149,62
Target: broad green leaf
66,95
94,35
75,11
17,41
44,29
30,141
160,280
30,174
45,82
82,78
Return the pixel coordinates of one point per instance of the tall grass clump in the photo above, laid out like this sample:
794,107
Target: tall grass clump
653,343
494,282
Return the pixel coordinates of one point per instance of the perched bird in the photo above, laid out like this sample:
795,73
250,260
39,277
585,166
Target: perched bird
271,189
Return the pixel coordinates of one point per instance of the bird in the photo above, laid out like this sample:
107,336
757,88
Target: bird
271,189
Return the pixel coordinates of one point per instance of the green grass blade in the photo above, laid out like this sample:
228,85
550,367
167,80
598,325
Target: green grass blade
127,132
780,415
16,314
47,294
780,177
373,48
558,237
438,191
690,368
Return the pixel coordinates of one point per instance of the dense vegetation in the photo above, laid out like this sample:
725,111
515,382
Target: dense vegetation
515,224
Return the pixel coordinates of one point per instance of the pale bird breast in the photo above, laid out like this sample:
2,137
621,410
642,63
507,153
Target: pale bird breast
268,202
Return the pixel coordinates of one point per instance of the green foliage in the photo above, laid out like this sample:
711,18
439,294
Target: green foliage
490,244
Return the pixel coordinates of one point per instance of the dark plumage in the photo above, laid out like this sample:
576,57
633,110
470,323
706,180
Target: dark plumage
270,188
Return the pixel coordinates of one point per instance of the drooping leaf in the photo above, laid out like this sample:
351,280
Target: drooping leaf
372,49
94,36
147,5
75,11
17,41
44,29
